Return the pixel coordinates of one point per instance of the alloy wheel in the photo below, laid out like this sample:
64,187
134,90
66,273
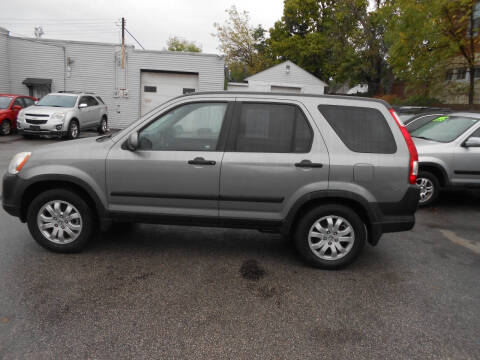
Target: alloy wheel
331,237
5,127
426,189
59,221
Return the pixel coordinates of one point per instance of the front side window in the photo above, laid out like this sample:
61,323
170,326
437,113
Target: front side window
91,101
272,128
190,127
65,101
445,128
5,102
362,129
28,101
19,102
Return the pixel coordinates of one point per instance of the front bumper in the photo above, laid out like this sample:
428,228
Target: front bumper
11,194
50,128
42,132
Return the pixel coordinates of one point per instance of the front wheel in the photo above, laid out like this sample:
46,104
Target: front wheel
73,130
429,188
5,127
60,220
103,127
330,236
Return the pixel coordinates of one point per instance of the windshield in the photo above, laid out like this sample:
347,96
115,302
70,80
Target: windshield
444,128
5,102
65,101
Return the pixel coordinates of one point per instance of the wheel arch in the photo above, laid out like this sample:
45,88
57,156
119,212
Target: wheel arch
345,198
44,183
437,170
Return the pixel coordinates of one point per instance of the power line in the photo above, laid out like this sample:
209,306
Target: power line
134,38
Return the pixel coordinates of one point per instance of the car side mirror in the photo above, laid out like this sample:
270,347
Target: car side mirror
472,142
132,141
17,108
82,105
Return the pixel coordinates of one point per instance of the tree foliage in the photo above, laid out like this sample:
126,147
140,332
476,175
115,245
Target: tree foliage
243,45
426,37
176,43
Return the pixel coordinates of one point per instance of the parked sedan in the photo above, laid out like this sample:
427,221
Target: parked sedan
449,154
10,106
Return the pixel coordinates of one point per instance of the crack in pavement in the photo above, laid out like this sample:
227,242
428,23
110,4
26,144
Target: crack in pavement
473,246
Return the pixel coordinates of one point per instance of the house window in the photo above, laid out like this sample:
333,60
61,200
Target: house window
188,90
449,75
461,74
150,89
477,72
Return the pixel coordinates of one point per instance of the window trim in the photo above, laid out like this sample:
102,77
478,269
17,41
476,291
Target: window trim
235,126
222,137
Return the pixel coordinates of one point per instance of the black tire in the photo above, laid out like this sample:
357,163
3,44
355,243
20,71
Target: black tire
103,127
71,134
435,183
307,221
88,222
5,127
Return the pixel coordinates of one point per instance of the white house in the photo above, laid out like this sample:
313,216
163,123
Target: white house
147,79
284,77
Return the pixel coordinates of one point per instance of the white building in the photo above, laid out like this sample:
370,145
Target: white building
148,78
284,77
358,89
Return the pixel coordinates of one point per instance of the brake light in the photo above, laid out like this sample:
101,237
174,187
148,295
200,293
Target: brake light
412,178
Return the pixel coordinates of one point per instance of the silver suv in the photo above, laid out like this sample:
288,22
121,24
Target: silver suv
331,172
449,151
64,114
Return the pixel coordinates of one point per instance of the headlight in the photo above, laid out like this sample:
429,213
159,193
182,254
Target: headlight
21,114
17,162
58,116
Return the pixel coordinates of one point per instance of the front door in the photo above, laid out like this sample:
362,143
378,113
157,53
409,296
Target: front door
467,163
176,168
270,160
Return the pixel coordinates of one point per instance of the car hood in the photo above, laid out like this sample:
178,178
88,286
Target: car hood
71,148
45,109
427,146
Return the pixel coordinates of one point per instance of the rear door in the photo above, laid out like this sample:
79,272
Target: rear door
274,153
95,111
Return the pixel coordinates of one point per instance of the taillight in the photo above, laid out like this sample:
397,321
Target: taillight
412,178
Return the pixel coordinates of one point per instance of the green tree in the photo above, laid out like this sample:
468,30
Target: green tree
319,36
176,43
243,45
426,37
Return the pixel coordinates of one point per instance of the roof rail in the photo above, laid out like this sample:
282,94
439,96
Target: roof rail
70,91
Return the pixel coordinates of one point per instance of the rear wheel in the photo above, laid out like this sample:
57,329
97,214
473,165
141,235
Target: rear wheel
60,220
73,130
330,236
5,127
429,188
103,127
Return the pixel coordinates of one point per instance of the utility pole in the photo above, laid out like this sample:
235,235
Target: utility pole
123,43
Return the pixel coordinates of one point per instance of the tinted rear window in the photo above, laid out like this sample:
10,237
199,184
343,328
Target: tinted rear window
363,130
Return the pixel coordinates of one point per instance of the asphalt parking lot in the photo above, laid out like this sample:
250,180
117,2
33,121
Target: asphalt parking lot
168,292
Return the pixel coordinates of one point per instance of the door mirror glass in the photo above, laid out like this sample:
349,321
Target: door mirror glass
472,142
82,105
132,141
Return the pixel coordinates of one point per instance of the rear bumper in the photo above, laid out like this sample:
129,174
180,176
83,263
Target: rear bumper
394,217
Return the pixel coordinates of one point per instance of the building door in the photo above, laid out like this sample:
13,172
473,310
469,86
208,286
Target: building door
158,87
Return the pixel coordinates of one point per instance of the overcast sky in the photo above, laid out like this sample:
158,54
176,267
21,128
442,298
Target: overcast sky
150,21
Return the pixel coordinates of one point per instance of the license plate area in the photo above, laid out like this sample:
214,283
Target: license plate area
34,127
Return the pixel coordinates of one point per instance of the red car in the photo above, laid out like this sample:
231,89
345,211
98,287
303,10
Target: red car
10,105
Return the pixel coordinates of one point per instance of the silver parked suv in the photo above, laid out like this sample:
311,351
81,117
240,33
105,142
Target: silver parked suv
332,172
449,151
64,114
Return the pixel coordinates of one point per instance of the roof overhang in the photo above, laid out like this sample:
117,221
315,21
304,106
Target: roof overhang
37,81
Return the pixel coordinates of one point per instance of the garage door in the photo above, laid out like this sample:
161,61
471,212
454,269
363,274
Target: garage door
158,87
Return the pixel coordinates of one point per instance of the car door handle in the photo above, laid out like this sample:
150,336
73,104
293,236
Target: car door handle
201,161
308,164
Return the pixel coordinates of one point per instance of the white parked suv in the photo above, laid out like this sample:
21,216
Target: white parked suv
64,114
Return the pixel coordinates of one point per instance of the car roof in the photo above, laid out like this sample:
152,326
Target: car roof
16,95
276,94
473,114
65,93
